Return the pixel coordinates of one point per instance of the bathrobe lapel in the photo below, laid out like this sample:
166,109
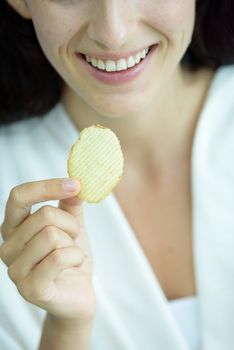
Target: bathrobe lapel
124,276
132,310
213,201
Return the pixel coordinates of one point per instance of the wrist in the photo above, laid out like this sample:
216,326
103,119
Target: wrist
71,325
60,334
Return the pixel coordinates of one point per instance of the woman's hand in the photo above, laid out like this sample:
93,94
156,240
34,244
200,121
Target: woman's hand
47,252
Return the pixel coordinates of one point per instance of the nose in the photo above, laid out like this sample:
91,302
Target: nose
110,23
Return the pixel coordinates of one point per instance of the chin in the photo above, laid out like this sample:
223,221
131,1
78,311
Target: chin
118,108
116,111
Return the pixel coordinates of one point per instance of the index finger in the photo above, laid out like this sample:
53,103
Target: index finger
23,196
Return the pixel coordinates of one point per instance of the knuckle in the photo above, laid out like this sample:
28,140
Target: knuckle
47,213
57,257
51,236
3,232
12,273
3,252
25,289
15,195
51,188
47,189
77,226
80,254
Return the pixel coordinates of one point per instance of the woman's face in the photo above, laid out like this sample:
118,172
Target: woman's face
66,28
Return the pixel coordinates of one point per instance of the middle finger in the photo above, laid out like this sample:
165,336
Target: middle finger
36,222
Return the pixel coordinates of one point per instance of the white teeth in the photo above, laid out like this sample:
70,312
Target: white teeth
94,61
131,62
110,66
101,65
122,64
143,54
138,57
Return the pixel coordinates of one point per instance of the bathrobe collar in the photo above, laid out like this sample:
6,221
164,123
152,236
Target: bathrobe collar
132,308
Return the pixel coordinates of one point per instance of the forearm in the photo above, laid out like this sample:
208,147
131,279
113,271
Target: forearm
69,336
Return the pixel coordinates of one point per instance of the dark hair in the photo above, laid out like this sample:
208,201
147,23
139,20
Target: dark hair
30,86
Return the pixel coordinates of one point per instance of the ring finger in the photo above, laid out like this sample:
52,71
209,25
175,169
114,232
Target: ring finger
47,240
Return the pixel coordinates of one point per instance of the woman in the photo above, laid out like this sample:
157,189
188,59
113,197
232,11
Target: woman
151,266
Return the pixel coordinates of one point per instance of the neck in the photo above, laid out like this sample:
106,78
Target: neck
162,133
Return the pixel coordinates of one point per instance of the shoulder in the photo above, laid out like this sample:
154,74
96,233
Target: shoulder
226,73
214,139
223,83
218,112
25,150
15,138
27,131
25,126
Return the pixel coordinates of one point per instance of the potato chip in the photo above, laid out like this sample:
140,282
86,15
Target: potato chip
96,160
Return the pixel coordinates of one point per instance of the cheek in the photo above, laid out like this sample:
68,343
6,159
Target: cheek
55,27
171,17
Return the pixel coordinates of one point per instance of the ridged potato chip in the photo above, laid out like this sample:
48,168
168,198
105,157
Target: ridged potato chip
96,160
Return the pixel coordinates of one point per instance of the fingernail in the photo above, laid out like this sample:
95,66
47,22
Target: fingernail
71,185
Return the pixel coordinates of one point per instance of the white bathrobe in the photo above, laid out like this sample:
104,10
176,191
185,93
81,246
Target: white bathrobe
132,310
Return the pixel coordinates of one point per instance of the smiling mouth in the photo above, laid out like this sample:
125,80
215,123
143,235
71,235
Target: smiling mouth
119,65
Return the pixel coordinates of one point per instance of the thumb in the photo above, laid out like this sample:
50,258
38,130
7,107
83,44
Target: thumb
72,205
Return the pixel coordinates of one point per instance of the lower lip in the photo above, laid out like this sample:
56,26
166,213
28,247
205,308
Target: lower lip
124,76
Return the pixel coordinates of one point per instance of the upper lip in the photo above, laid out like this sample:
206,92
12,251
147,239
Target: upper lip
113,55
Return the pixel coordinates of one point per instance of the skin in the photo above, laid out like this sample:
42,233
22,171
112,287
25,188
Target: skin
154,119
119,26
130,110
49,259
